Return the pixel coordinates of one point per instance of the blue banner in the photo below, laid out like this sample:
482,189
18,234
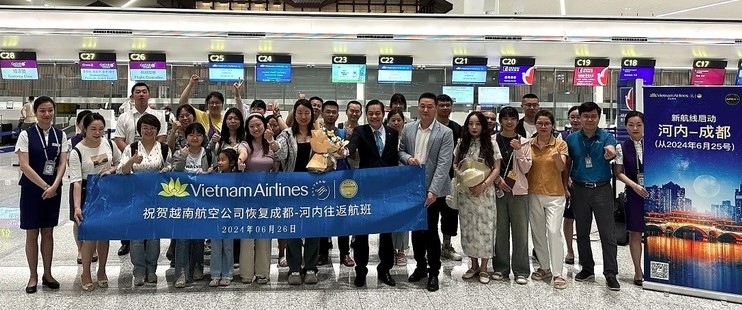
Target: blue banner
693,175
254,205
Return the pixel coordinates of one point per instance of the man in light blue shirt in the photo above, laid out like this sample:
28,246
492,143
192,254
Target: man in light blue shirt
591,150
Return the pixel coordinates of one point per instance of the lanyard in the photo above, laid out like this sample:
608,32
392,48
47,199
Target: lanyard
636,151
588,148
43,141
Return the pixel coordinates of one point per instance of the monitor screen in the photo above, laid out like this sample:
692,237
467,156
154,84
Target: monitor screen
590,76
226,72
469,74
148,70
493,95
708,76
460,94
273,72
95,70
395,74
633,73
348,73
517,75
19,69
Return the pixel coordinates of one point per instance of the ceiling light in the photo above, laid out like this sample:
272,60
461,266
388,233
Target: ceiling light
563,7
697,8
129,3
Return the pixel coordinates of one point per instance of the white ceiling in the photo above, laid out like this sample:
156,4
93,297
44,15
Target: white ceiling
713,9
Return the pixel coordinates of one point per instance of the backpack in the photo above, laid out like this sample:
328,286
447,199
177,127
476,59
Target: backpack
163,148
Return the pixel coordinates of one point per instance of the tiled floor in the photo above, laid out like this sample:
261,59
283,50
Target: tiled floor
335,290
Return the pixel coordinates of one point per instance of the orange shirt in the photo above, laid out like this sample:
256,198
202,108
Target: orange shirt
544,178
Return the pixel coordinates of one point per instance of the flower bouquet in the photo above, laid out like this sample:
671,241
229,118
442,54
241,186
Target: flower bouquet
324,144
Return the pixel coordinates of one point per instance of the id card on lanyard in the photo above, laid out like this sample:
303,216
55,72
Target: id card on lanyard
588,148
50,165
639,171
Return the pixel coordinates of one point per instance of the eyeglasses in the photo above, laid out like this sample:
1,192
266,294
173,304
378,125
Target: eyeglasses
213,104
540,124
531,106
590,116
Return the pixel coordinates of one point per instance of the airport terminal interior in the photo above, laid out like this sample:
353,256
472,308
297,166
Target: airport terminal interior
485,54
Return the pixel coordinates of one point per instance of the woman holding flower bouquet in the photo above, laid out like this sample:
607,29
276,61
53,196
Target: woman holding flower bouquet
294,152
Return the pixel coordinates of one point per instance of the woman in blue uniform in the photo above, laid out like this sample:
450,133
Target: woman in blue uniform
42,154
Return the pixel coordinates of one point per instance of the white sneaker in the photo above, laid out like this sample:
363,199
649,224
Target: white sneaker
295,278
181,282
521,280
198,274
310,277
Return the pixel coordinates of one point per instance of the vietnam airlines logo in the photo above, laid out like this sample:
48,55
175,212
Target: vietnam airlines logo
629,100
173,189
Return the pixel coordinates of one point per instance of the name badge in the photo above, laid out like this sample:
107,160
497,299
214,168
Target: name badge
49,166
640,178
499,193
56,144
588,162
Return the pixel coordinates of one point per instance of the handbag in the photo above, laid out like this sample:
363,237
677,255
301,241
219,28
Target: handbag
510,176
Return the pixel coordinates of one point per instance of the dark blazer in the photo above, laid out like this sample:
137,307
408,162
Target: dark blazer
364,142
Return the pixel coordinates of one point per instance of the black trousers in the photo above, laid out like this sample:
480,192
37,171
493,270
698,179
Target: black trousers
361,254
426,244
325,244
449,219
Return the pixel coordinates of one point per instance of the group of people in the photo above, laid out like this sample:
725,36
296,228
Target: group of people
530,176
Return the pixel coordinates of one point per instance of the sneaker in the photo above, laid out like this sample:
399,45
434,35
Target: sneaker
214,282
295,278
521,280
151,278
450,253
541,274
138,281
401,260
612,283
181,282
310,277
584,276
497,276
198,274
225,282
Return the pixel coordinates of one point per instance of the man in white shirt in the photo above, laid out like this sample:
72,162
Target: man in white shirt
527,125
126,129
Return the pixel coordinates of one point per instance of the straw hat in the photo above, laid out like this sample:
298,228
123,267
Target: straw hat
472,172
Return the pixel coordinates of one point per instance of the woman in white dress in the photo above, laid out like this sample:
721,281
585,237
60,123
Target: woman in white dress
476,204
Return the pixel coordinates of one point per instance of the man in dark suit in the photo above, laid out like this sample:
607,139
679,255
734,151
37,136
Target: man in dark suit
376,144
429,142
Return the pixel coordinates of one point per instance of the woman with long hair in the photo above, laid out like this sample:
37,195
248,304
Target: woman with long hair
232,135
476,204
42,153
401,240
255,255
294,152
546,200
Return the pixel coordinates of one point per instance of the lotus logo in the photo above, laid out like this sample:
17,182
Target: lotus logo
173,189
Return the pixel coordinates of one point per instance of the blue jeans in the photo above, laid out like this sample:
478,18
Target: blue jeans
189,255
144,255
222,258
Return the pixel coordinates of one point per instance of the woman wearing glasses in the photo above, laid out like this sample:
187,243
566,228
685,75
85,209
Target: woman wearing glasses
546,200
211,120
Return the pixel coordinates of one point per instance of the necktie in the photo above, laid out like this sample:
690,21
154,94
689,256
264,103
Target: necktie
379,142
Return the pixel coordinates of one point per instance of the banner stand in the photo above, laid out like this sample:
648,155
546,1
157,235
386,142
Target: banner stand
692,292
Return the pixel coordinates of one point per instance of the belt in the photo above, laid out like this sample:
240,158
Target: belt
592,185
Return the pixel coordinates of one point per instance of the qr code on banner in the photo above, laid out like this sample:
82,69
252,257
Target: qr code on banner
659,270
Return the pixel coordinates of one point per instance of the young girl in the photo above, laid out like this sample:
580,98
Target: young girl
189,254
222,250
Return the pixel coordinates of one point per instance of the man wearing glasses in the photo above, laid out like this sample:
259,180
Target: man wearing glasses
526,126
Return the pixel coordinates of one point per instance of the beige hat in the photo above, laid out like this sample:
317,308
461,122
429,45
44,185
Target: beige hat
472,172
